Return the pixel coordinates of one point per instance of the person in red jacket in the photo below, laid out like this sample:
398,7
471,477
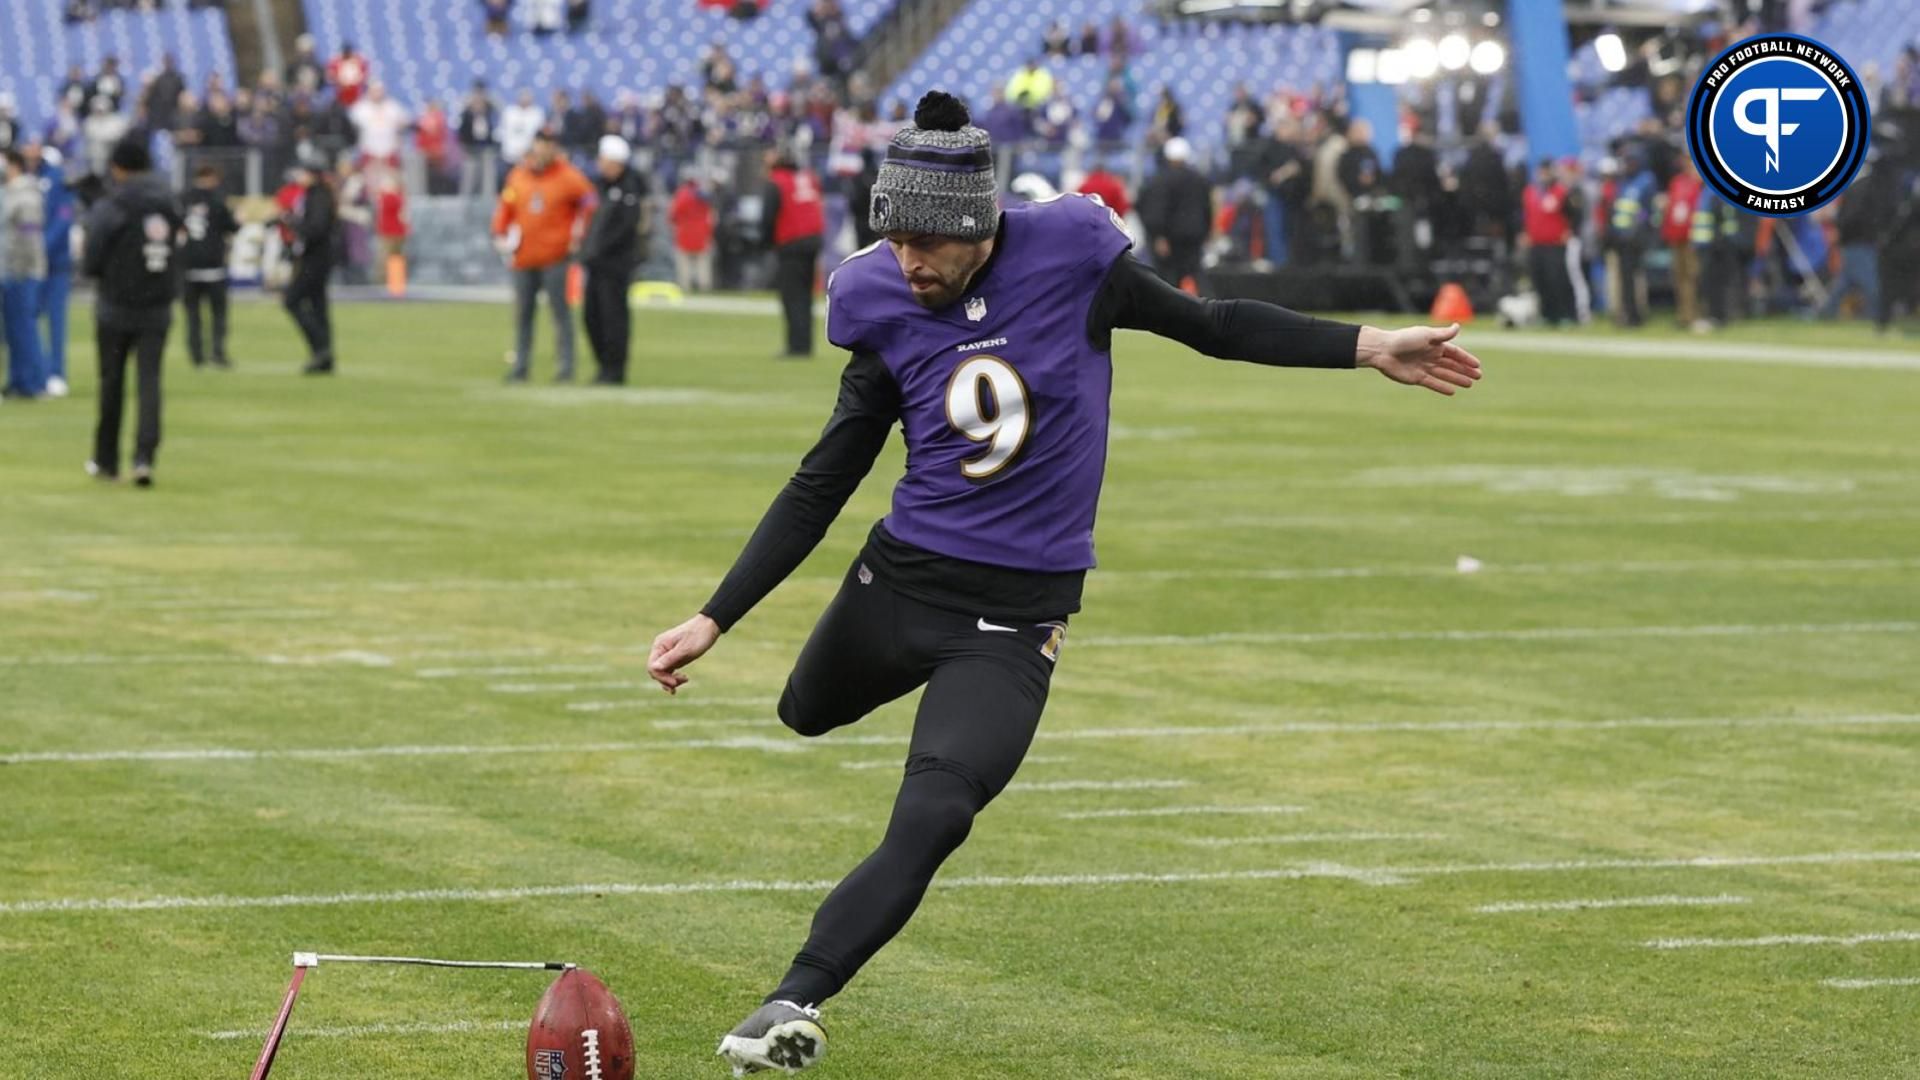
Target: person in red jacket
1544,210
348,74
795,218
1111,189
1676,227
691,216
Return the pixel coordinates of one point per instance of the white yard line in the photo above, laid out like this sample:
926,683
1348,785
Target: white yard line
1534,633
1493,566
1310,838
1098,785
501,671
1739,352
1370,875
1506,907
781,743
896,764
664,701
1180,811
361,1031
1776,940
567,688
1867,984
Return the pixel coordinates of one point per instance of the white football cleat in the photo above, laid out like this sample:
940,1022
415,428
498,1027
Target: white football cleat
779,1035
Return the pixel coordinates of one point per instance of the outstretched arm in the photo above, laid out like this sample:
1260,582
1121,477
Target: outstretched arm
1135,298
868,408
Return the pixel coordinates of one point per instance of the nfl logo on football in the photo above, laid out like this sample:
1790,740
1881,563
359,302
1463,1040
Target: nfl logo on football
550,1065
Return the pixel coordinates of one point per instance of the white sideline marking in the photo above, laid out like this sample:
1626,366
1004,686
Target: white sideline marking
663,701
1370,875
1181,811
1693,517
359,1031
1098,785
1509,906
767,722
1311,838
1035,759
525,669
1490,566
1867,984
1727,351
795,745
1843,940
566,688
1535,633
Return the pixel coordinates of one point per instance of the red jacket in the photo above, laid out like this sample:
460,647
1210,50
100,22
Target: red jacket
692,218
1545,215
1111,191
1683,191
803,213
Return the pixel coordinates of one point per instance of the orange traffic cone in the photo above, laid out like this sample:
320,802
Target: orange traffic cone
1450,305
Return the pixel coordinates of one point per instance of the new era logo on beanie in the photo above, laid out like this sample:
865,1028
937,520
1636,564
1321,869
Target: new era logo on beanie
937,177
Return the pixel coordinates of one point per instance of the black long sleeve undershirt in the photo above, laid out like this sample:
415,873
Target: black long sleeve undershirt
1132,297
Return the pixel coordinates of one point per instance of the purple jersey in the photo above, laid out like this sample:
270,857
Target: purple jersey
1004,399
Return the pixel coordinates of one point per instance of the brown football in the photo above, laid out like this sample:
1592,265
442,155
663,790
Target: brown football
579,1032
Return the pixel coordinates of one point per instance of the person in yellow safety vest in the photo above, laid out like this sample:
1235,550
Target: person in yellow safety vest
1031,86
1716,235
1626,239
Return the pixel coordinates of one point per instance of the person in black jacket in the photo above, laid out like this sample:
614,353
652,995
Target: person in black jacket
132,252
313,222
210,227
610,253
1176,208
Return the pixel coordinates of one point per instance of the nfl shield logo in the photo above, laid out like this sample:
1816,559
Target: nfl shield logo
977,308
550,1064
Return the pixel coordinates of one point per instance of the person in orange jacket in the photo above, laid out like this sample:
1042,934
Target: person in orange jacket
543,210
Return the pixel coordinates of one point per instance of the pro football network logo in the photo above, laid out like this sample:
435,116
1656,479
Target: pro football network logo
1778,124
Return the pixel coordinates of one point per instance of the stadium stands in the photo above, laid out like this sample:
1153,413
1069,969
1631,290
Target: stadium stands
37,47
433,52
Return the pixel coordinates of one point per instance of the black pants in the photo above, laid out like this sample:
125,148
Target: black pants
609,322
986,683
146,346
793,277
1631,284
1182,262
306,301
1723,283
1547,265
214,295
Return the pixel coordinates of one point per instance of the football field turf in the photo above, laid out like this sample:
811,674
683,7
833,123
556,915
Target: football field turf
365,674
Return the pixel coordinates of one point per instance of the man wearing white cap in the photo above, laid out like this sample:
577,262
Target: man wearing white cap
610,253
1176,208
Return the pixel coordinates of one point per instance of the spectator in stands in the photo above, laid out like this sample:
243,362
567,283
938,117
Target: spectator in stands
1415,180
1329,196
1107,187
23,218
499,16
261,129
131,254
314,225
1544,210
1870,205
629,118
79,11
833,42
478,133
1243,117
1112,115
611,251
348,74
433,137
1055,122
9,123
1089,41
1176,209
548,16
1119,40
1057,41
1676,226
1169,121
77,90
1286,176
542,211
1005,122
691,216
579,16
1359,164
1031,86
794,221
1486,193
717,69
110,84
103,129
585,124
305,72
379,122
520,123
62,213
162,96
390,224
210,228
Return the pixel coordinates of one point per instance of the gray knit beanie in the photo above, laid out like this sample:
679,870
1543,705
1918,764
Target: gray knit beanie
938,176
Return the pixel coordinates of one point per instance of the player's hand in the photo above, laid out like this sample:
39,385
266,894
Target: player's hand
1419,356
679,647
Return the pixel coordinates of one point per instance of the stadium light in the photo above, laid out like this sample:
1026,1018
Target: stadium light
1393,66
1363,66
1453,51
1423,59
1488,57
1613,52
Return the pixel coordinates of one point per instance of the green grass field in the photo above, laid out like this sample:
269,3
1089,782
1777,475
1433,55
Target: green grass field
364,674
